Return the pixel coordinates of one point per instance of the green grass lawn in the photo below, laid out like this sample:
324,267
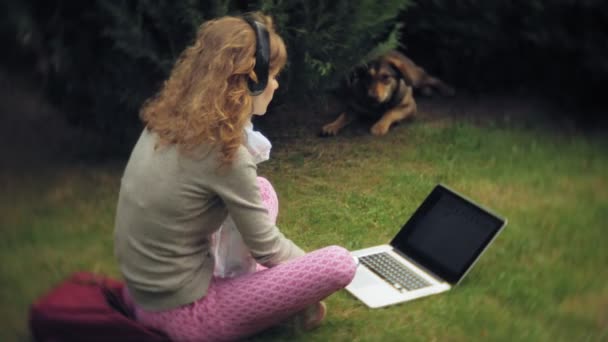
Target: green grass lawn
544,278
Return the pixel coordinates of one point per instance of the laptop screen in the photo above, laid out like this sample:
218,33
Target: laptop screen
447,233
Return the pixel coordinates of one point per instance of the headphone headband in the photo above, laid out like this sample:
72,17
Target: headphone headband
262,56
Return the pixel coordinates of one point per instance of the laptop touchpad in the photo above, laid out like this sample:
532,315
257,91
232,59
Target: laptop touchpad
364,278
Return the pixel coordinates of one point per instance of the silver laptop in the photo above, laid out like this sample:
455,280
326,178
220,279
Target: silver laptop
433,251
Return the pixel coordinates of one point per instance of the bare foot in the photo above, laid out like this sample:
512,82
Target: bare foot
312,317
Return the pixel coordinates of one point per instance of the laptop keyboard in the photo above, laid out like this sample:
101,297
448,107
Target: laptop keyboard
394,272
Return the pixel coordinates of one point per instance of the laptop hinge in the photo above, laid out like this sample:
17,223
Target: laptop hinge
426,270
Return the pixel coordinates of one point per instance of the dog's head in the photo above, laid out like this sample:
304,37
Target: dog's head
383,79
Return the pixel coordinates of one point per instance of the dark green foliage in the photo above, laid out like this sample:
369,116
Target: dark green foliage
327,38
100,60
560,44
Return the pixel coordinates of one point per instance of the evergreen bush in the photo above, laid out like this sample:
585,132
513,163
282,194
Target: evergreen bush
327,38
490,44
102,59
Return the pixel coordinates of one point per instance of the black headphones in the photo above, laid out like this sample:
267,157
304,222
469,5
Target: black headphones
262,56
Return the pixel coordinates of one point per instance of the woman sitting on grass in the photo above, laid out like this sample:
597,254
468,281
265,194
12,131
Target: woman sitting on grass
188,170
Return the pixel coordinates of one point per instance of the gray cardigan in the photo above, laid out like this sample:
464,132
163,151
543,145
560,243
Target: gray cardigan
168,207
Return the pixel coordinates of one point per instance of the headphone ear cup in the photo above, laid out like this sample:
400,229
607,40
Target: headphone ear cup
256,87
262,57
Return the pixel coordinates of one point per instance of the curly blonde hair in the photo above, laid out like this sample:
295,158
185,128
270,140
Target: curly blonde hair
206,98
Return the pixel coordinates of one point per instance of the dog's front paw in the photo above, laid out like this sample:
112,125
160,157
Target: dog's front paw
329,130
379,129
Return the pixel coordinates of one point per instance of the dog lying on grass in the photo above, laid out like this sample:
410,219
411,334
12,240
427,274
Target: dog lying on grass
382,91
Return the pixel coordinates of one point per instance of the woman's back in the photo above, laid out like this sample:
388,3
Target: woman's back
163,220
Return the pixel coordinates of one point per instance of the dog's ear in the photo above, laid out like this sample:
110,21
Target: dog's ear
403,65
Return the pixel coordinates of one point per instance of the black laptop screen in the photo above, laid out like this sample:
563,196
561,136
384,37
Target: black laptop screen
446,234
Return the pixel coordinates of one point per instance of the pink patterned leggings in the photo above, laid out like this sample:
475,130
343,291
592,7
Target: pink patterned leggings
238,307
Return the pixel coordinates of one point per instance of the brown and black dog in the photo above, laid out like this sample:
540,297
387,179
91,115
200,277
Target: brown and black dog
382,90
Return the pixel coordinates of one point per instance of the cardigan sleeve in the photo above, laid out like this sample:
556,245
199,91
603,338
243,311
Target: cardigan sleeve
237,187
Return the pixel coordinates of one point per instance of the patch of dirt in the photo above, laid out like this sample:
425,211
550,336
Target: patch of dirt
285,123
33,133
